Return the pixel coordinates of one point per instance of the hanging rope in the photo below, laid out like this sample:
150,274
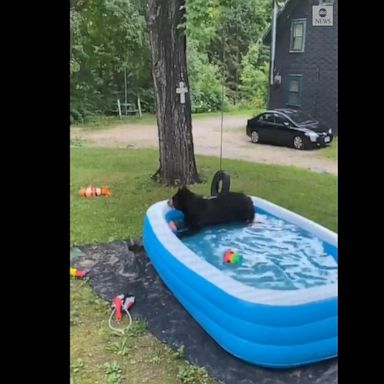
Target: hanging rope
221,125
222,101
221,181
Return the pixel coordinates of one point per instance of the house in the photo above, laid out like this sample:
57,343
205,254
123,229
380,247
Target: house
303,68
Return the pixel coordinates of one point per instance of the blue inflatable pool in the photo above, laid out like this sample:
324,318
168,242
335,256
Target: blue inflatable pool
274,328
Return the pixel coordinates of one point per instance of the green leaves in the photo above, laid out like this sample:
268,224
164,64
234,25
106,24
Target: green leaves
205,82
113,373
202,19
254,78
109,37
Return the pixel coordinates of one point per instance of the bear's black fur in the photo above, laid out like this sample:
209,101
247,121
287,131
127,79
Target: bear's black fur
199,212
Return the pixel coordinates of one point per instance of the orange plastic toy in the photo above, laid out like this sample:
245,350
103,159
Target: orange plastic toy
91,191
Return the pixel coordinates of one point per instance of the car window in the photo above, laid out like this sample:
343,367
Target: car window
280,120
261,118
269,118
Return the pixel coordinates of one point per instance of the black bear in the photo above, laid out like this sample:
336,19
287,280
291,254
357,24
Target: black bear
199,212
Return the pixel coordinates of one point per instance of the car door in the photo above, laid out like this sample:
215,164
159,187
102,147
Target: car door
267,126
283,130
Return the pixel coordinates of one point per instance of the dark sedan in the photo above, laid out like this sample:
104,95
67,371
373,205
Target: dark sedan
288,127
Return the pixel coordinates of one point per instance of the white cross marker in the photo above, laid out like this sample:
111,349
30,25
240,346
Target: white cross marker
182,91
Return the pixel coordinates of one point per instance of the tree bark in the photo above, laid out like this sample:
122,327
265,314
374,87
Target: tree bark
169,68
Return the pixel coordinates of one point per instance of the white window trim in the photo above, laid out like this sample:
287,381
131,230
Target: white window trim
304,21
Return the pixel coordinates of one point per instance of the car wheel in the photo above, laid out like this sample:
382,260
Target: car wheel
255,137
299,142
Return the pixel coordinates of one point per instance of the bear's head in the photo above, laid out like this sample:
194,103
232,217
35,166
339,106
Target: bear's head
181,198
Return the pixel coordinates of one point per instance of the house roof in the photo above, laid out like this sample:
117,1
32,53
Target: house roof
287,7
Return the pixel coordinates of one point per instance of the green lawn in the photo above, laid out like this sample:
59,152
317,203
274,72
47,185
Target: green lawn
97,356
103,122
330,152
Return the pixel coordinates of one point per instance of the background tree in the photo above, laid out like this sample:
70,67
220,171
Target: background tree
110,38
254,77
240,24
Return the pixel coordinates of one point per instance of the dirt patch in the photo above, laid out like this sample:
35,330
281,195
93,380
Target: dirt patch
206,138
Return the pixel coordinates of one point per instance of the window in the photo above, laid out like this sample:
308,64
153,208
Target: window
268,118
263,117
294,90
297,35
280,120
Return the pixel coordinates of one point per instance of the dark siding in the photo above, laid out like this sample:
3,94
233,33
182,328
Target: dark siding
318,64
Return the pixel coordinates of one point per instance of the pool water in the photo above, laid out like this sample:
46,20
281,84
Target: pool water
275,253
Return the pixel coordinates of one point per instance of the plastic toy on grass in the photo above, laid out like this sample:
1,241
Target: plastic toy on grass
119,304
77,273
91,191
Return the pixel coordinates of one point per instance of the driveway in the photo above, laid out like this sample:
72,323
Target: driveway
206,138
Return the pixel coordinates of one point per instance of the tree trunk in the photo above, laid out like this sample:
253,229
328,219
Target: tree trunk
169,68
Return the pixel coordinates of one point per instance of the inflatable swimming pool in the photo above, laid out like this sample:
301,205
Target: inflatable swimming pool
274,328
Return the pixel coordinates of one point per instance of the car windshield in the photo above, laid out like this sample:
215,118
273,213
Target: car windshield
299,117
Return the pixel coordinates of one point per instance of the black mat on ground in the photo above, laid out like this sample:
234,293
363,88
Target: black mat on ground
123,267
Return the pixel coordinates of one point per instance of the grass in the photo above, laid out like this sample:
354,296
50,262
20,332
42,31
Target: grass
240,112
330,152
100,357
97,355
103,122
128,172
